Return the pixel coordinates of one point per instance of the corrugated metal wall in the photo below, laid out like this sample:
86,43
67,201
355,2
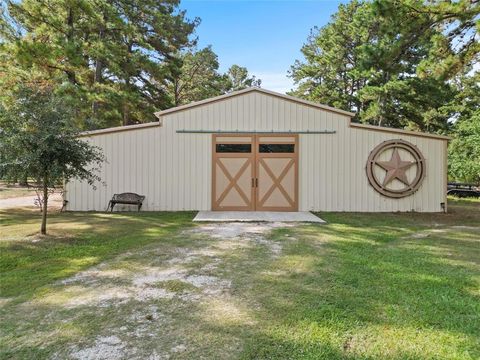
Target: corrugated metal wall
174,170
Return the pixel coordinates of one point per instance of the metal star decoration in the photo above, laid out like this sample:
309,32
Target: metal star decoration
396,168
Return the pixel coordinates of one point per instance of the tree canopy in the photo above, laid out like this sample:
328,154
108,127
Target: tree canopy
37,140
199,77
464,149
110,58
406,64
115,62
391,62
238,78
409,64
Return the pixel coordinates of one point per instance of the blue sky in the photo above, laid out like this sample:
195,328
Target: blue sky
264,35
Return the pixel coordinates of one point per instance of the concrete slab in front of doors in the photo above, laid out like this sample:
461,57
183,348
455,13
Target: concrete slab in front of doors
252,216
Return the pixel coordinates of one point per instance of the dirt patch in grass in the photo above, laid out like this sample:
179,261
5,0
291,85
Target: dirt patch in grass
160,302
362,286
244,234
229,230
8,190
105,347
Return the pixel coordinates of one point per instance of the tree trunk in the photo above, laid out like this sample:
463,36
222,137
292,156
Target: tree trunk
98,66
176,91
126,113
43,229
70,33
127,78
97,79
23,181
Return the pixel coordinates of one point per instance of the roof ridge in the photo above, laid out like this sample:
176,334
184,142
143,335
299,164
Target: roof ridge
251,89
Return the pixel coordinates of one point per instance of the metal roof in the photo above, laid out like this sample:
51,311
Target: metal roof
252,89
161,113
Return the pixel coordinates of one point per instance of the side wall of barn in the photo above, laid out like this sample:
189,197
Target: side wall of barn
173,170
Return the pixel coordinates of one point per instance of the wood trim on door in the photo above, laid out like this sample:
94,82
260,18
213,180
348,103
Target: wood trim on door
216,200
255,160
294,162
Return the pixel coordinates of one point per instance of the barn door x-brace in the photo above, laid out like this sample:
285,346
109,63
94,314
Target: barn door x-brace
255,172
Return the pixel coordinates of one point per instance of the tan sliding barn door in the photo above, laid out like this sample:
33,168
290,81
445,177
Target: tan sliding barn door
277,173
255,172
233,172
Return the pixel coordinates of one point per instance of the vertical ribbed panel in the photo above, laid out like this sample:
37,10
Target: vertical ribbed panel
173,170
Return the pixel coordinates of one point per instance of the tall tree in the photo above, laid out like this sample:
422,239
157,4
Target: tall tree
464,149
37,139
458,21
158,32
330,72
374,58
111,59
238,78
197,78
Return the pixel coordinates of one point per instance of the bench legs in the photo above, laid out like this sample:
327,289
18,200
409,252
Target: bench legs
111,204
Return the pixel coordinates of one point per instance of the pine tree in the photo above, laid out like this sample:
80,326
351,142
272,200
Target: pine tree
238,78
382,60
198,77
110,59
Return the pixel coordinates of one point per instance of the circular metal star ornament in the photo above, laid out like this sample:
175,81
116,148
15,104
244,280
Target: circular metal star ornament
395,168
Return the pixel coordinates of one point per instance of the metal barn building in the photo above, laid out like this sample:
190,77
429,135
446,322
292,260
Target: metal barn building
259,150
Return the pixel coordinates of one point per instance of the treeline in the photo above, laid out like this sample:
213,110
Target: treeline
113,61
409,64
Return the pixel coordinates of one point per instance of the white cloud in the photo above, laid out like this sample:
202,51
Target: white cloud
278,82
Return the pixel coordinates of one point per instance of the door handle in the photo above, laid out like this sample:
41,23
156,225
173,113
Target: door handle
256,182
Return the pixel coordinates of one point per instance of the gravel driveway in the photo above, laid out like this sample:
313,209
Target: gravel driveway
183,300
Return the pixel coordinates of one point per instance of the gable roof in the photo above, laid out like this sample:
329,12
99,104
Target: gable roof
249,90
159,114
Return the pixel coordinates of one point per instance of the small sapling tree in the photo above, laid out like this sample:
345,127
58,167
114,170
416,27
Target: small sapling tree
38,139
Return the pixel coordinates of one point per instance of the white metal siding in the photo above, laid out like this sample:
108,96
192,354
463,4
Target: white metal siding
173,170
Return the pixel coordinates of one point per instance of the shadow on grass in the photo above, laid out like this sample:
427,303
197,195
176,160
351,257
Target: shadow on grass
75,242
362,287
368,278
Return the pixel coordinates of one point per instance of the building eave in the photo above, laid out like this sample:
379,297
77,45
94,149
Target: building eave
253,89
399,131
119,129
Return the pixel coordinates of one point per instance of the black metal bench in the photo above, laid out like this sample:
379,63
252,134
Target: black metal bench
126,198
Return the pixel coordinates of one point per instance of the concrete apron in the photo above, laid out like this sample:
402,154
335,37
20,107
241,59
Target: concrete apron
253,216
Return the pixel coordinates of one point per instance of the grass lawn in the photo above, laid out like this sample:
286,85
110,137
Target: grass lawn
155,285
11,191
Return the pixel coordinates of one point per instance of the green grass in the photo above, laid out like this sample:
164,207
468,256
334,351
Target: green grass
11,191
364,286
176,286
75,242
375,289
